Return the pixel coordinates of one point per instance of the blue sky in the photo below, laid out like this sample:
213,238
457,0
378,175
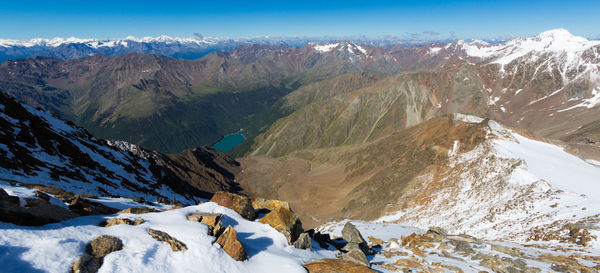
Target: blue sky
408,19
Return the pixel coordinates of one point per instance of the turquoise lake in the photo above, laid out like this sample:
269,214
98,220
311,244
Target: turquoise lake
229,141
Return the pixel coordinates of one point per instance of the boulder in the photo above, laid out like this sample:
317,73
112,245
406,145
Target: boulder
162,236
138,210
355,256
231,245
41,195
212,220
83,206
87,264
238,203
121,221
6,199
103,245
95,252
336,266
437,231
266,204
285,221
303,242
354,239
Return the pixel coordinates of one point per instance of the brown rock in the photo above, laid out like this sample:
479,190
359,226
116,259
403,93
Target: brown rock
231,245
158,235
266,204
285,221
121,221
87,264
103,245
212,220
336,266
83,206
238,203
355,256
138,210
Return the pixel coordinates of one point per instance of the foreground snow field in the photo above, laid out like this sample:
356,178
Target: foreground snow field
54,247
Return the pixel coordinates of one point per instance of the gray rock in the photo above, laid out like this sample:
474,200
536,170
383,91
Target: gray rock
303,242
462,247
354,239
355,256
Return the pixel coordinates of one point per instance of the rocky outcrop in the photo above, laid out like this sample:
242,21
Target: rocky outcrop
303,242
162,236
84,206
285,221
238,203
336,266
355,256
121,221
354,239
138,210
231,245
212,220
95,252
36,212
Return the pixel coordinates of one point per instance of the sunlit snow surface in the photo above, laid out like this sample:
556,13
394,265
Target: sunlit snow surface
54,247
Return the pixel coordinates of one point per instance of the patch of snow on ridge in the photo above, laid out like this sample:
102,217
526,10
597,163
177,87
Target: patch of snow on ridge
326,47
505,188
467,118
588,103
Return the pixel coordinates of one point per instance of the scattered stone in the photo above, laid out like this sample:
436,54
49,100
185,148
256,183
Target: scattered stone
158,235
355,256
87,264
121,221
336,266
212,220
238,203
103,245
303,242
354,239
265,204
231,245
375,241
285,221
65,196
83,206
138,210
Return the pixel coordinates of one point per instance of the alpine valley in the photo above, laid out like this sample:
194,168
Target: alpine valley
357,156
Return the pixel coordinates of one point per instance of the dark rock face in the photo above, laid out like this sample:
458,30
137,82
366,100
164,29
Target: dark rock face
162,236
92,260
238,203
231,245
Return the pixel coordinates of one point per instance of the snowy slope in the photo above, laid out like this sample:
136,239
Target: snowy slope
39,148
54,247
509,187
